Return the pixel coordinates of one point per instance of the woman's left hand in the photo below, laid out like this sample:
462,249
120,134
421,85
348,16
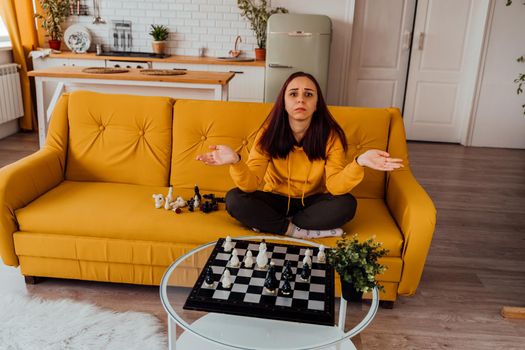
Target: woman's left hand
379,160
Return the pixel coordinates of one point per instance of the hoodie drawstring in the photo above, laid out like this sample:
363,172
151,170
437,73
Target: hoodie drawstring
305,181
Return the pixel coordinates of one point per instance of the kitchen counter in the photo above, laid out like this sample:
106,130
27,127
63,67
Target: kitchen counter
171,59
192,85
191,77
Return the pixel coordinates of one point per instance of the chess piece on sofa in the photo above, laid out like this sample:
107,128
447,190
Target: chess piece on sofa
159,200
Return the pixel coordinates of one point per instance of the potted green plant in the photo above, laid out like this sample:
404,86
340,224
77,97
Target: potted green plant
258,12
357,265
54,14
160,34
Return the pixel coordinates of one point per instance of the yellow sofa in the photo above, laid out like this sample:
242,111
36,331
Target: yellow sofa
82,206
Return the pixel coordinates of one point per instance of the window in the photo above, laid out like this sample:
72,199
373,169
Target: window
4,36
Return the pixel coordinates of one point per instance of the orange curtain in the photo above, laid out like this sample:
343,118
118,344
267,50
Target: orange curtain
20,23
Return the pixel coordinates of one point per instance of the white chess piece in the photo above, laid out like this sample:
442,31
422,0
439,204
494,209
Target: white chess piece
321,256
262,246
307,257
262,259
167,204
234,261
228,245
179,202
248,260
196,201
226,279
159,200
169,197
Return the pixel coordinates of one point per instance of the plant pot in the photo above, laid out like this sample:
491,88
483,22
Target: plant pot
260,54
55,44
159,47
349,293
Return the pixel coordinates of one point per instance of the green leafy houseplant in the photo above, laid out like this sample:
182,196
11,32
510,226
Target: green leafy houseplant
258,12
159,32
357,262
54,14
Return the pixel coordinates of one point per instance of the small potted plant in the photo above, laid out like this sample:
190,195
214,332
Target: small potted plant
258,12
160,34
54,14
357,265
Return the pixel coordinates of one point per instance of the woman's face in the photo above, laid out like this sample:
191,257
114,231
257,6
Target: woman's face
300,99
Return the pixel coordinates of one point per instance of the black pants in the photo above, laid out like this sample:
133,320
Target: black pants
267,211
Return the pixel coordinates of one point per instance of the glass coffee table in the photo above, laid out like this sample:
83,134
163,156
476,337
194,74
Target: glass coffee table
218,331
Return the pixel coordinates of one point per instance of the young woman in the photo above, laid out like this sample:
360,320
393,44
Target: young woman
299,153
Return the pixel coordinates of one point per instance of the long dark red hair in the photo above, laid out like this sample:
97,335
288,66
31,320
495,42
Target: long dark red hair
278,141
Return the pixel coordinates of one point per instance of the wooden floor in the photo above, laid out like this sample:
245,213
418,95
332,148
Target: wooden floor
476,263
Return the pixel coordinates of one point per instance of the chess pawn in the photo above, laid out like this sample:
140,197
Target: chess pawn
262,245
196,201
321,256
271,283
169,196
228,245
305,273
248,260
234,261
287,272
208,279
307,257
286,289
167,204
262,259
226,279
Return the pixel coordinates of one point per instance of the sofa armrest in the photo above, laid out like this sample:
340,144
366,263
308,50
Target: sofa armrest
415,214
20,183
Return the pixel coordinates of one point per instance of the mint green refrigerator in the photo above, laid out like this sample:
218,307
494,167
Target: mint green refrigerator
296,42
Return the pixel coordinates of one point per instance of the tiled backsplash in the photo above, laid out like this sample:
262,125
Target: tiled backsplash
193,24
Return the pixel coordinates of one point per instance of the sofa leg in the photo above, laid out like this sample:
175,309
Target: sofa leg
32,279
386,304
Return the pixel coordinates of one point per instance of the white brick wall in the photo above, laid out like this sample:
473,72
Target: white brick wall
213,24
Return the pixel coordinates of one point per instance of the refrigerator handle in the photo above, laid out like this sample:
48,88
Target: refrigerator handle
277,65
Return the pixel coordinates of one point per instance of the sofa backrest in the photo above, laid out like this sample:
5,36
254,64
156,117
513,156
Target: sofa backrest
119,138
199,124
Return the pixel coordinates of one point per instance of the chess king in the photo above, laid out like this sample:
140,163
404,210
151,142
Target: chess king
300,154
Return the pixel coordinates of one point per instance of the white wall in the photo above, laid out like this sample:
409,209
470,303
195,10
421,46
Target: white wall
498,119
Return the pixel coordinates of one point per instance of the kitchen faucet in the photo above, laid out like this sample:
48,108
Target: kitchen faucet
235,52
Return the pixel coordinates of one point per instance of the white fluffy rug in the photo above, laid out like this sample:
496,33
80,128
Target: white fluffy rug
30,323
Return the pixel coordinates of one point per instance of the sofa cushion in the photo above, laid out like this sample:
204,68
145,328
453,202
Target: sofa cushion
115,138
199,124
127,212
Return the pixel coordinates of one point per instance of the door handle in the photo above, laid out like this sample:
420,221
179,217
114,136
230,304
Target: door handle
277,65
236,72
407,37
421,41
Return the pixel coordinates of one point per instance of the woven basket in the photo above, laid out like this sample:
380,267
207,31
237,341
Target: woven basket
103,70
162,72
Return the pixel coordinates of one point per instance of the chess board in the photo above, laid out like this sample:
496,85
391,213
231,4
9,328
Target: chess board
310,301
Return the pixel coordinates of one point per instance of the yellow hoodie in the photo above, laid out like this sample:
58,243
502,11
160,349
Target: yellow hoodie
296,176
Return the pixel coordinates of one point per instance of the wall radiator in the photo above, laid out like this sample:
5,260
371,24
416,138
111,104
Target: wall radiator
11,106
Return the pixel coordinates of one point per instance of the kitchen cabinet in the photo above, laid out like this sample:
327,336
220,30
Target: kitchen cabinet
248,83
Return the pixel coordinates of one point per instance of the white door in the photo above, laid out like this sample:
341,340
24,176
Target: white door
443,67
380,52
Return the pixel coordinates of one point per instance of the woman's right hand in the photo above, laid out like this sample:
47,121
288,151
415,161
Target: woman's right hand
219,155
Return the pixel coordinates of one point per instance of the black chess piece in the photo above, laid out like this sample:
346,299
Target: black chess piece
288,272
191,205
286,289
271,283
210,196
197,192
305,273
208,278
205,207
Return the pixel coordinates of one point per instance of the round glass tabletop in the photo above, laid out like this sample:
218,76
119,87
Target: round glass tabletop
202,329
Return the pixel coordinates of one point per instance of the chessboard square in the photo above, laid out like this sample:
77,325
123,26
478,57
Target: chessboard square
317,288
221,294
315,305
257,281
279,256
318,273
291,257
300,294
280,249
242,280
240,252
218,270
278,262
254,290
252,298
268,299
300,304
236,298
245,273
317,296
259,273
241,288
283,301
253,247
299,285
317,280
206,292
223,256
